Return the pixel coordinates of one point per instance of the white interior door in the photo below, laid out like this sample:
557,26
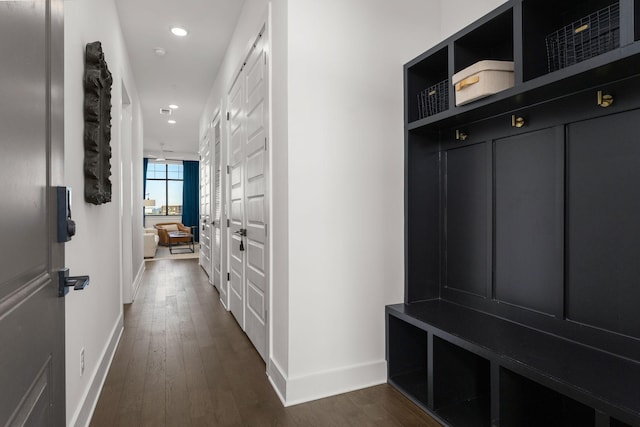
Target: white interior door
205,204
248,172
216,238
255,188
236,201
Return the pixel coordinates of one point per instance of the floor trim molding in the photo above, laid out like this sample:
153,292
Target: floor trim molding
278,380
83,416
137,281
293,391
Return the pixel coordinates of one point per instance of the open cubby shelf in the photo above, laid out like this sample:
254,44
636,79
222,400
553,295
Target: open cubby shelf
492,40
555,27
421,77
461,385
548,40
526,403
521,223
408,351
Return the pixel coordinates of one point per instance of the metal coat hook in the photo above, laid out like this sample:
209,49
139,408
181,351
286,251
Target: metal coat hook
604,99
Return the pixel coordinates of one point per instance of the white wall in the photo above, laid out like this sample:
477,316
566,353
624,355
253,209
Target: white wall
94,315
346,162
457,14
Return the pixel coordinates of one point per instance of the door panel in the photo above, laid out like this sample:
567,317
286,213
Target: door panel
529,220
254,197
236,220
216,244
205,205
603,247
247,103
467,188
31,123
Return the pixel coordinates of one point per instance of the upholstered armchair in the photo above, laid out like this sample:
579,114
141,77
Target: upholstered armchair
165,227
150,242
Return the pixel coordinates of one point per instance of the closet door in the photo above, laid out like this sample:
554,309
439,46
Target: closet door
216,235
205,205
248,169
255,187
236,201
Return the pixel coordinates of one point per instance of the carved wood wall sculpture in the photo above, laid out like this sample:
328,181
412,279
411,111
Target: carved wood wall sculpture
97,126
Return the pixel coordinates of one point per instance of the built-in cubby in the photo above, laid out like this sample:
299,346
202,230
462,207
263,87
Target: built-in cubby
493,40
525,403
461,385
425,79
560,33
408,358
521,223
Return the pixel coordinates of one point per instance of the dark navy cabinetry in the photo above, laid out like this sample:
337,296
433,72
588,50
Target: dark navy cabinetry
522,224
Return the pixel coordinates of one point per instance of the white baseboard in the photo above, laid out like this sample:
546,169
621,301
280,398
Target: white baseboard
83,415
137,281
278,380
293,391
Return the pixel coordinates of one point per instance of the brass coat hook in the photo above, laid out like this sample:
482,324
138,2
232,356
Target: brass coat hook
517,122
604,99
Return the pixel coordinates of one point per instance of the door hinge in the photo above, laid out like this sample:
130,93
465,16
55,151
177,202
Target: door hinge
228,115
265,143
228,276
228,169
228,223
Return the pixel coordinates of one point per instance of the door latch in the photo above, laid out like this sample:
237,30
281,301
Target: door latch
241,232
65,281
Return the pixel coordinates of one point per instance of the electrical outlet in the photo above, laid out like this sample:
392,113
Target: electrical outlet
81,361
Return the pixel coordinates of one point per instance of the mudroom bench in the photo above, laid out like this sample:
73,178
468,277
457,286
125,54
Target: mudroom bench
470,368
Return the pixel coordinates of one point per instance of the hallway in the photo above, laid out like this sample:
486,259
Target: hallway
183,361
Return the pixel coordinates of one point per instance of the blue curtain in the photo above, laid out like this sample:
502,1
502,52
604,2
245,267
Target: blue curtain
191,196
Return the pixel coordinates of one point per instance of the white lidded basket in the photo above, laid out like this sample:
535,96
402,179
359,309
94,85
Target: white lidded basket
482,79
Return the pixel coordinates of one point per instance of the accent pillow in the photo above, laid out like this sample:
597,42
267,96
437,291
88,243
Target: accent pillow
170,227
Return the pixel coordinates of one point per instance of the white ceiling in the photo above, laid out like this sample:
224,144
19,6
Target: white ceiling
185,74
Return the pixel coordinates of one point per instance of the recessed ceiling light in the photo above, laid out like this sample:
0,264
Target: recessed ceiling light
173,106
172,122
180,32
159,51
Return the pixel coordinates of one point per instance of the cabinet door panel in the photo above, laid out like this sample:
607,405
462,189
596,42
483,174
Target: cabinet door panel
422,221
468,178
529,220
604,223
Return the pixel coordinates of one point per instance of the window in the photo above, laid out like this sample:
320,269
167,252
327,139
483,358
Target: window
164,185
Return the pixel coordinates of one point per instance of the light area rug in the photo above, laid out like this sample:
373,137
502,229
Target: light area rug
163,253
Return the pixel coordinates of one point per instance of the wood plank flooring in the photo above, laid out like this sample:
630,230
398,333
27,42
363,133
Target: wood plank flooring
184,361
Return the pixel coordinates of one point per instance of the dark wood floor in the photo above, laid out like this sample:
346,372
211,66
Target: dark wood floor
183,361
